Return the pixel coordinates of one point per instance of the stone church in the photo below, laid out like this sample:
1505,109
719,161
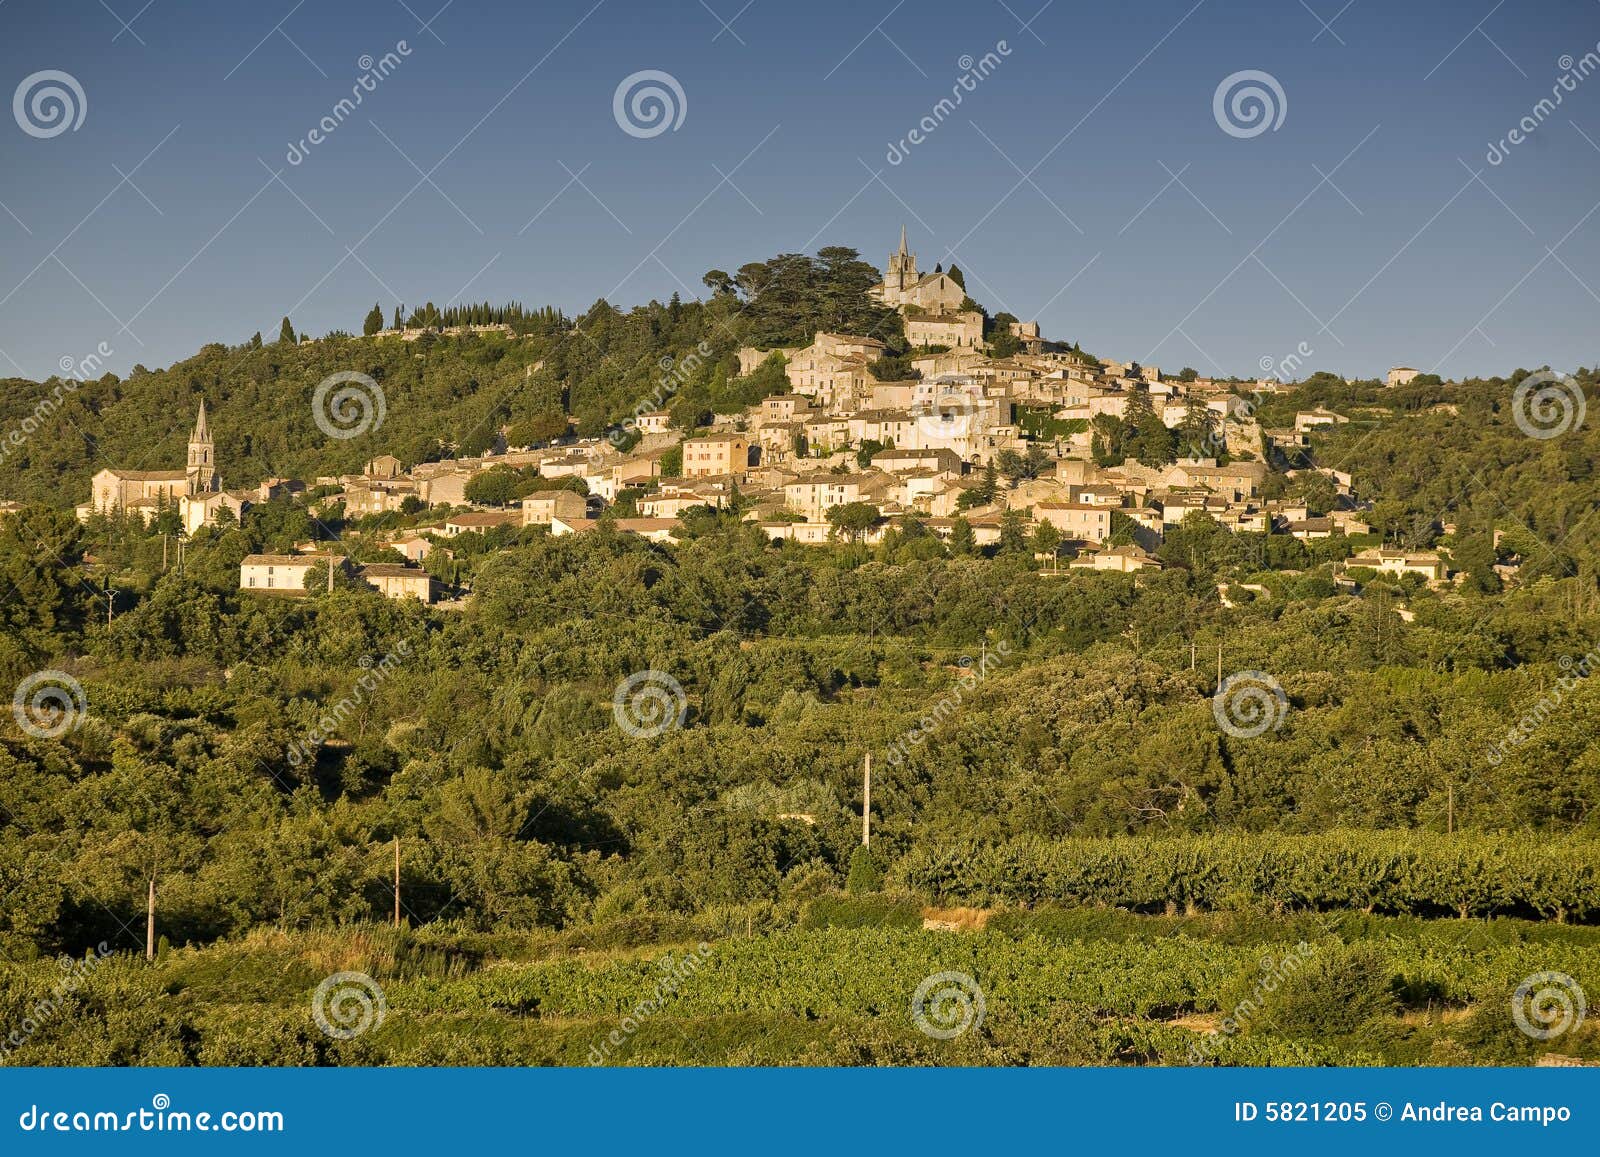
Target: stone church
196,490
902,286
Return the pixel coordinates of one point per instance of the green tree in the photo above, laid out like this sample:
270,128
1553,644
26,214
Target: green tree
498,486
1013,539
1046,539
374,321
962,541
852,520
286,334
866,875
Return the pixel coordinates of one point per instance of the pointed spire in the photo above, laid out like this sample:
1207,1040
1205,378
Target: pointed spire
903,249
201,432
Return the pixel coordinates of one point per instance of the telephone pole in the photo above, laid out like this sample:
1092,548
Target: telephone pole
150,922
397,881
866,802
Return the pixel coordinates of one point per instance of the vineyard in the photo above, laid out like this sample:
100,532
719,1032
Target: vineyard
1057,986
1387,872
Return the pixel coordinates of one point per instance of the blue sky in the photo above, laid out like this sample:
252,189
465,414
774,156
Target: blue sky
1085,182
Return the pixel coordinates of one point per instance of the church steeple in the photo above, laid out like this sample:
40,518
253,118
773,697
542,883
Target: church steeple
202,466
902,269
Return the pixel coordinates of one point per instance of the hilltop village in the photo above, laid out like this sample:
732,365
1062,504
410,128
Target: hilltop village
981,429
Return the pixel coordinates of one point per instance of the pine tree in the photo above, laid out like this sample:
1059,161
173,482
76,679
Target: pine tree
991,482
961,538
1013,539
374,321
286,334
1197,434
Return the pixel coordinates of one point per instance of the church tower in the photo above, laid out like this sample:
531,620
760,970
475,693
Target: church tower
202,467
902,270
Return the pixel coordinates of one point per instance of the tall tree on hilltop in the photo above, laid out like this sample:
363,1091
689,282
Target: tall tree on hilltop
286,333
374,321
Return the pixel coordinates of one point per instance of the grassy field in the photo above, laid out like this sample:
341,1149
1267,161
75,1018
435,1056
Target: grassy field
837,986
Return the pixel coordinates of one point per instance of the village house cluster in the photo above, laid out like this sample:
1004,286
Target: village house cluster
920,447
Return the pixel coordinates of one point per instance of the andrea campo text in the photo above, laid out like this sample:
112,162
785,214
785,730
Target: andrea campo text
1355,1112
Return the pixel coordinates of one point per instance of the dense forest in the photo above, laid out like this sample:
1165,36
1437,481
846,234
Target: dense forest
1048,763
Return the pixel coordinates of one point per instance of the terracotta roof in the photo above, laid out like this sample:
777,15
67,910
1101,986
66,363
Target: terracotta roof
392,570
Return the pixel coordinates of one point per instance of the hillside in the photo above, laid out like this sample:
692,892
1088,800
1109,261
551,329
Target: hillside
444,395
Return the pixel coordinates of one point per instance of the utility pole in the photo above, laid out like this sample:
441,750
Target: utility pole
330,572
1219,664
1192,646
163,553
150,922
866,802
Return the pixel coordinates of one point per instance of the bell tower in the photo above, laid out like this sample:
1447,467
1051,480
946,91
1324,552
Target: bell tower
902,268
202,466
